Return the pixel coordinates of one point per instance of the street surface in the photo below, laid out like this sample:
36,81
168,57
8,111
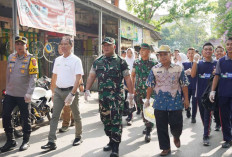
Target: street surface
132,145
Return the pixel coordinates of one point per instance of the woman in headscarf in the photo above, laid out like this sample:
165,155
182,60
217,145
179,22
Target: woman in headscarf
130,58
181,58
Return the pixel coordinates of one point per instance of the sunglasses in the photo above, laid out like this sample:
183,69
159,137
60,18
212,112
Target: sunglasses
20,38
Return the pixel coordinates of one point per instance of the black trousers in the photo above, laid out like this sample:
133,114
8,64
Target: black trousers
163,118
25,110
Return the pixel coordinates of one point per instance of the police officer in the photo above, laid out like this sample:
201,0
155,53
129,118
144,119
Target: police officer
203,70
21,75
110,69
223,78
140,72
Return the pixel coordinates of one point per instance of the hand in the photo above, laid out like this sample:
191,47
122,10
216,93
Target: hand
188,71
147,103
212,96
186,103
130,97
196,58
69,99
87,94
27,98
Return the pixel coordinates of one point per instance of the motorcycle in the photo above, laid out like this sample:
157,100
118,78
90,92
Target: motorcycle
42,99
41,105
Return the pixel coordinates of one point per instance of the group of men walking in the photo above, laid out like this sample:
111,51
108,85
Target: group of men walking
170,85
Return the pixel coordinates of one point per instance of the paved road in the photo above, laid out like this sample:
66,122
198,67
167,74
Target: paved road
132,145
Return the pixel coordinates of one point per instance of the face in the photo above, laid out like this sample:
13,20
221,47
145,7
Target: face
108,49
208,51
176,53
144,53
129,53
65,46
59,50
20,47
164,57
190,54
123,55
229,46
219,53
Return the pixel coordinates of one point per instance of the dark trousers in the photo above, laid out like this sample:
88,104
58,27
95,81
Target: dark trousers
191,94
225,107
216,116
174,119
206,118
25,110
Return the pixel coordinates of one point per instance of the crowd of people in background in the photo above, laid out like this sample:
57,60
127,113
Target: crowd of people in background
174,80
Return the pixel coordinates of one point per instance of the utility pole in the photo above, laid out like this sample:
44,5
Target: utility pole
15,24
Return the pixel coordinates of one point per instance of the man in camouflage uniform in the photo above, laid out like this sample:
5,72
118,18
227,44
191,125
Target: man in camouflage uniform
140,72
21,75
110,69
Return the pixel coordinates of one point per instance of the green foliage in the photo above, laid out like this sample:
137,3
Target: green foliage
177,9
187,33
223,22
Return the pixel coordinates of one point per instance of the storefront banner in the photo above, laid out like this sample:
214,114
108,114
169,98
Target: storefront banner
139,37
51,15
129,31
146,36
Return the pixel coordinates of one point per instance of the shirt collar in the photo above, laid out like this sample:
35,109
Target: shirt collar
68,56
171,65
113,56
23,56
227,58
206,61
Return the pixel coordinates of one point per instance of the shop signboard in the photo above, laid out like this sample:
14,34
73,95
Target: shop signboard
51,15
146,36
140,36
129,31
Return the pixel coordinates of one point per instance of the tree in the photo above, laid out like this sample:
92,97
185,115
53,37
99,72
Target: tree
223,22
187,33
177,9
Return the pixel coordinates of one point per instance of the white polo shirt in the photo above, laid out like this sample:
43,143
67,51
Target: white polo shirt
66,70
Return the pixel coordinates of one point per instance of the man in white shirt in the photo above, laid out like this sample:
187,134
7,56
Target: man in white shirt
67,72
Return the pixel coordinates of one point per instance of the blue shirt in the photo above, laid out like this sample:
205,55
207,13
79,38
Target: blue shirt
167,85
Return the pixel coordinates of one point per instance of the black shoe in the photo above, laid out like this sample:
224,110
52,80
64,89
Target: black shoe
206,141
24,146
115,146
147,138
39,120
9,145
138,111
193,120
227,144
217,127
145,131
108,147
188,112
77,141
49,145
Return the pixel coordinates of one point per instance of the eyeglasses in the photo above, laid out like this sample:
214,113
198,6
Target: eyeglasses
208,49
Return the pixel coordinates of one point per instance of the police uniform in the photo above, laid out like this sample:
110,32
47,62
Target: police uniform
110,72
204,72
224,71
191,89
21,76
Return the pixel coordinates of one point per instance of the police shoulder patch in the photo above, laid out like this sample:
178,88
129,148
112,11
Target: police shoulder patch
33,66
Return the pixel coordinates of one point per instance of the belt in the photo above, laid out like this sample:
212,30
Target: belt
66,89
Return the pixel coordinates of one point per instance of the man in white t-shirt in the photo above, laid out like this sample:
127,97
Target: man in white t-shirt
67,72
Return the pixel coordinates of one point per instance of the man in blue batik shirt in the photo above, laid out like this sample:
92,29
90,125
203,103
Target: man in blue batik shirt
168,81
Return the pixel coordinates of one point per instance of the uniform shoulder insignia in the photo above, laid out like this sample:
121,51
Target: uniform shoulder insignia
33,66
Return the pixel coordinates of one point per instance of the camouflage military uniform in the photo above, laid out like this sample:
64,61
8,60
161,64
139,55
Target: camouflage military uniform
142,69
110,72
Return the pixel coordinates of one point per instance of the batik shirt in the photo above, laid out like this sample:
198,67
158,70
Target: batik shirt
167,85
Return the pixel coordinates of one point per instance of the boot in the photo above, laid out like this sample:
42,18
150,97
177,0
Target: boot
25,145
115,146
10,143
108,147
148,135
